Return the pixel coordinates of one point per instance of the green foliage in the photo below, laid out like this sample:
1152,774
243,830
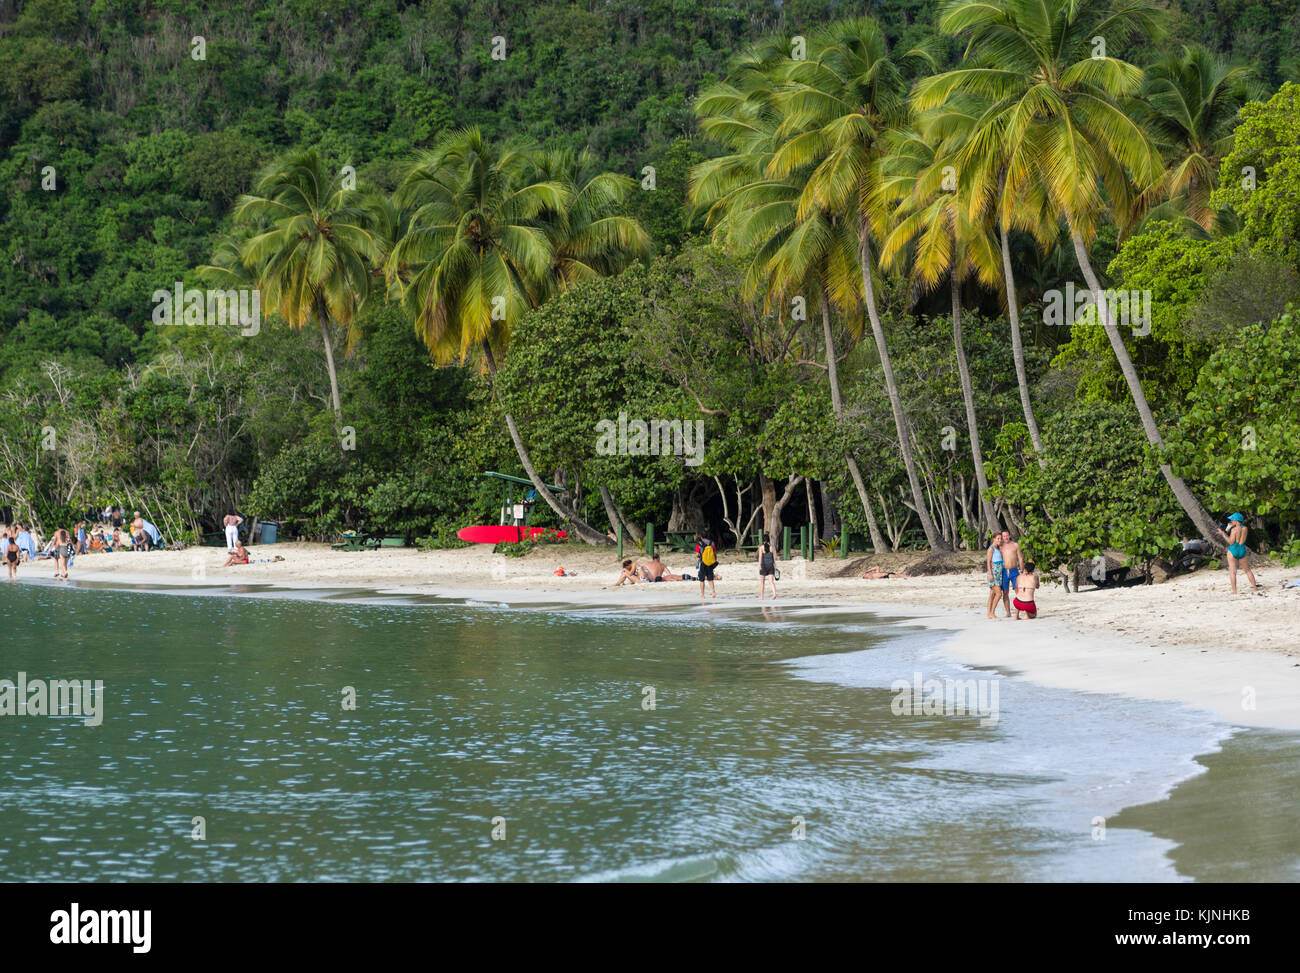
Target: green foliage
573,366
1174,268
151,151
1100,488
1260,177
1289,553
1240,435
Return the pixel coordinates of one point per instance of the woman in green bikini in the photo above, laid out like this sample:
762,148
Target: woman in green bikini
1237,551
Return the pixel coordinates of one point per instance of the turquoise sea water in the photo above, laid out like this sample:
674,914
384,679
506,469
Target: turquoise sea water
493,743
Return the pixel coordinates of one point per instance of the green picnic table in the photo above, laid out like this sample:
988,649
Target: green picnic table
681,540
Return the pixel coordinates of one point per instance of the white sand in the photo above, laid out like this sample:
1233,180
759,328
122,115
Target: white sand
1188,640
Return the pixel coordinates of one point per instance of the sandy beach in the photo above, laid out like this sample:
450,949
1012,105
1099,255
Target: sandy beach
1187,640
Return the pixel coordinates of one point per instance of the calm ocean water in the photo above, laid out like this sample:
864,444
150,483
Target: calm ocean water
493,743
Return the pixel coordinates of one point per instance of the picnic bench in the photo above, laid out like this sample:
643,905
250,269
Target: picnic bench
367,542
681,540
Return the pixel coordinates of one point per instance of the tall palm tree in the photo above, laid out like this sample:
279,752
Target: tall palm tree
837,108
757,214
1190,101
313,249
981,169
930,220
492,231
1057,111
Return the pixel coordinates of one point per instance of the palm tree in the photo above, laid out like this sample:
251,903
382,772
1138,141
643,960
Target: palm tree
757,214
590,237
1191,102
313,249
930,220
492,231
981,169
1057,112
837,108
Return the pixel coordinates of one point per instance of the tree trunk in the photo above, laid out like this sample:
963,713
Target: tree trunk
968,395
828,515
837,406
772,507
616,517
932,537
1193,507
791,485
771,513
1018,349
588,533
812,511
329,364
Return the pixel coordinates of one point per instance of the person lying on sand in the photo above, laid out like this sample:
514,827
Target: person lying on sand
1026,585
875,573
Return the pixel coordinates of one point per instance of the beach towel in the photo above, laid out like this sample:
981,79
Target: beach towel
155,536
27,543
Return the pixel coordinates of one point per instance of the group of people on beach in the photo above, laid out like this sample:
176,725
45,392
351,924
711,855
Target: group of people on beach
20,544
1012,579
113,533
706,563
654,569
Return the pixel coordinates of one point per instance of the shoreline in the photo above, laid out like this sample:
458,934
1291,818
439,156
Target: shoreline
1171,642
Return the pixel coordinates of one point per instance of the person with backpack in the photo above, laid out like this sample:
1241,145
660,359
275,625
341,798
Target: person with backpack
708,561
766,568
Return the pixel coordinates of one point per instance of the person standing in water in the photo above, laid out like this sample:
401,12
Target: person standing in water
1238,553
766,569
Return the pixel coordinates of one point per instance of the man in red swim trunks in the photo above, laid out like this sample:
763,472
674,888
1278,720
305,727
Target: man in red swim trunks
1026,585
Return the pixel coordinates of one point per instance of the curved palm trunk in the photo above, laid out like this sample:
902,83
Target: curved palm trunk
562,510
616,517
968,396
329,363
1018,349
1182,492
837,406
932,536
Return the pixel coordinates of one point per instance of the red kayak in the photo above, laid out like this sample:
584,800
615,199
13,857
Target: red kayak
505,534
